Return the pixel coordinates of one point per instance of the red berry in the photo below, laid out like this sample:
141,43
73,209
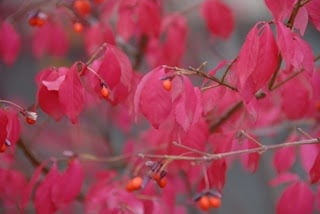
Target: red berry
215,202
30,121
204,203
78,27
134,184
33,21
82,7
163,182
3,147
104,92
167,84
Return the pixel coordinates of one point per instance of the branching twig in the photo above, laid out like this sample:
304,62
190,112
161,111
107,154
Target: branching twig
211,157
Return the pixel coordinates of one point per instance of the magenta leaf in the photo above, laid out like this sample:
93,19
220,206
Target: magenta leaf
314,173
219,18
313,8
217,174
296,199
283,159
250,161
151,99
257,61
282,178
71,95
10,43
3,127
280,9
295,51
69,184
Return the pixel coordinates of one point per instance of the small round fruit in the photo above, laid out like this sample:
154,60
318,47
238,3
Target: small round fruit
104,92
3,147
77,27
82,7
137,182
30,121
162,182
215,202
204,203
167,84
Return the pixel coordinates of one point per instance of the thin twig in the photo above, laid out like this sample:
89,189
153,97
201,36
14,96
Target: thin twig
210,157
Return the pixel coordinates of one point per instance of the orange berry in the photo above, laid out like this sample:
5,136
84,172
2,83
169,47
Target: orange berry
167,84
134,184
156,177
204,203
30,121
78,27
82,7
137,182
3,147
104,92
162,183
215,202
40,22
33,21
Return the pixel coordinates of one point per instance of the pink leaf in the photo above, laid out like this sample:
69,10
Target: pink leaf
96,35
314,173
257,61
296,98
217,174
151,99
308,155
71,95
250,161
283,159
296,199
69,185
50,39
280,9
282,178
3,127
55,84
219,18
149,17
10,43
295,51
313,8
13,127
42,199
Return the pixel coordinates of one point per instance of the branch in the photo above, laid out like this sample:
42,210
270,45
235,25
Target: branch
211,157
225,116
295,11
30,156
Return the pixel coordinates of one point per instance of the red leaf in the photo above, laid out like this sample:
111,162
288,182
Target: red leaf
314,172
296,97
188,107
217,174
49,99
280,9
126,22
149,17
42,199
257,61
3,127
308,155
168,52
295,51
69,184
313,8
296,199
10,43
219,18
283,159
151,99
71,94
50,39
282,178
97,35
250,161
118,73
